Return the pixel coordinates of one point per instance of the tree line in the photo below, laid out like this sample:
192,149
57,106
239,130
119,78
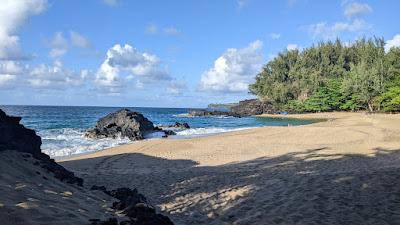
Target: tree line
333,76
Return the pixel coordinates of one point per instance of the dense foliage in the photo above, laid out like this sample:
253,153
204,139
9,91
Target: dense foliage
333,76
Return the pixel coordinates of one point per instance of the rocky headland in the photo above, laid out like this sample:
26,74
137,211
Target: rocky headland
250,107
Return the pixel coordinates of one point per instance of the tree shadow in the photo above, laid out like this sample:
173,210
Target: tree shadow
309,187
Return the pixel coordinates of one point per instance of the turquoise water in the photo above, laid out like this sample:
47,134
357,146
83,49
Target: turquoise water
62,127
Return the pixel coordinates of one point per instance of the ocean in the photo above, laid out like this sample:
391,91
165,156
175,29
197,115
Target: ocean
62,127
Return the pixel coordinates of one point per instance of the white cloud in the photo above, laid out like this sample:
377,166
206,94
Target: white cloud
55,76
111,2
79,40
395,42
9,70
127,60
328,31
353,24
12,15
10,67
234,70
291,47
275,36
151,29
176,87
58,45
6,79
171,31
356,9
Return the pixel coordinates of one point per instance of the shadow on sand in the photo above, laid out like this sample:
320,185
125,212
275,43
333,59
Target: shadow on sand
307,187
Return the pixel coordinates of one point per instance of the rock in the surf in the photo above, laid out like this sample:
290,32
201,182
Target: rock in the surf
123,123
177,125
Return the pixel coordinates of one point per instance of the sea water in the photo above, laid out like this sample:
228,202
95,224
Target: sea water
62,128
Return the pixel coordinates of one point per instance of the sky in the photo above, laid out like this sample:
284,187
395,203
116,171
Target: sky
165,53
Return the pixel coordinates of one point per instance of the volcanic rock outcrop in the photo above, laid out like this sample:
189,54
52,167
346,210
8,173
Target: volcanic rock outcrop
252,107
202,112
123,123
14,136
135,206
177,125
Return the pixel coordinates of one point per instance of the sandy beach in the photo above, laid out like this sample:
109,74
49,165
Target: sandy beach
344,170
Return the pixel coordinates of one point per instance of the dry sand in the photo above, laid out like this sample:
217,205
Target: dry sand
345,170
29,195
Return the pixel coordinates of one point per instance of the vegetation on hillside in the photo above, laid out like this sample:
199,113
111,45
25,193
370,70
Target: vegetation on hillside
333,76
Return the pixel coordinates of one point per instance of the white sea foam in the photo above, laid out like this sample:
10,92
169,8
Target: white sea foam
186,115
67,141
195,132
182,115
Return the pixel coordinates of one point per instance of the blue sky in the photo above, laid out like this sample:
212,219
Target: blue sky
164,53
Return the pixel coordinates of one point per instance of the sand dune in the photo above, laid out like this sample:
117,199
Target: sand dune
344,170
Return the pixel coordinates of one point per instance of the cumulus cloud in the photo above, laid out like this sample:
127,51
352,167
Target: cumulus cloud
328,31
12,15
55,76
275,36
126,62
58,45
9,70
234,70
78,40
395,42
176,87
356,9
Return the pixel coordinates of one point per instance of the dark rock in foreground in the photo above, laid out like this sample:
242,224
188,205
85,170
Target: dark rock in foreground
133,205
15,137
253,107
123,123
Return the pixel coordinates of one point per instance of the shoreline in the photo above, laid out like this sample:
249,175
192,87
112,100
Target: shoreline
257,175
195,136
328,120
